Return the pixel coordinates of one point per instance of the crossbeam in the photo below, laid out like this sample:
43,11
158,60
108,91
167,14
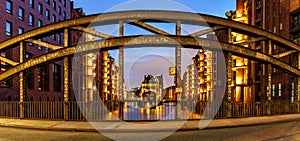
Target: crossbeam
148,27
44,44
8,61
284,54
205,31
244,42
92,32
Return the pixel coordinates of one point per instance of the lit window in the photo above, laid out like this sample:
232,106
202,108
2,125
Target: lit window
273,90
31,19
21,30
21,13
40,8
8,6
40,23
47,14
8,28
54,5
59,10
53,18
31,3
279,89
48,1
293,92
53,37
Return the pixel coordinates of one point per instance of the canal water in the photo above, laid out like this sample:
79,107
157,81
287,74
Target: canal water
166,111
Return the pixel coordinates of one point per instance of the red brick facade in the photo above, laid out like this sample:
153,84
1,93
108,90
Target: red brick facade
58,10
274,16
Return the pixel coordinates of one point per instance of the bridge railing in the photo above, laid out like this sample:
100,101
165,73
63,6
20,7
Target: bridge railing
43,110
115,110
9,109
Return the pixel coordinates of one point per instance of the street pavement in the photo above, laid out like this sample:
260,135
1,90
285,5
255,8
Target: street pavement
278,131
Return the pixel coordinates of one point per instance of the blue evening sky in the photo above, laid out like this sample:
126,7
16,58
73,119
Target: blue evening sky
156,61
212,7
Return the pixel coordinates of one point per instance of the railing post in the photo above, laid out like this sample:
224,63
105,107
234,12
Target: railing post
66,77
22,83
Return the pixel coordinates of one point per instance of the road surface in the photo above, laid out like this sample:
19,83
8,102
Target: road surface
280,131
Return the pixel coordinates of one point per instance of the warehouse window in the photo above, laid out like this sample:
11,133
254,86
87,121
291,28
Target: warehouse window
21,13
8,6
40,8
31,19
8,28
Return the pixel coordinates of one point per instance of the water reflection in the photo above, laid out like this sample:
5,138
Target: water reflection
166,111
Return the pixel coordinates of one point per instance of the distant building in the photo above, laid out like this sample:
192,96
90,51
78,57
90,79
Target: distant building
107,76
170,93
191,82
151,88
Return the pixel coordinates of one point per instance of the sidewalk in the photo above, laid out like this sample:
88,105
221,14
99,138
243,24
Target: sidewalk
84,126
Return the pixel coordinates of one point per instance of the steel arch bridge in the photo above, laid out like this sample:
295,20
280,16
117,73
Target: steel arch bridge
160,38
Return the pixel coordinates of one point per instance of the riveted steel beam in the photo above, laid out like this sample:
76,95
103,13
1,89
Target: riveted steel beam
66,76
170,16
43,44
22,83
150,41
245,42
8,61
92,32
285,54
148,27
206,31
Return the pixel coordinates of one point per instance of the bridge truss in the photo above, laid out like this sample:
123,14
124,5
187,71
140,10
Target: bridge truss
160,38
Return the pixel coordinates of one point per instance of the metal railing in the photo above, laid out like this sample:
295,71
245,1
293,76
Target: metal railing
43,110
9,109
138,111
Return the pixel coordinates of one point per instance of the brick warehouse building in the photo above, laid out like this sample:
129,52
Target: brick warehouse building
44,83
282,18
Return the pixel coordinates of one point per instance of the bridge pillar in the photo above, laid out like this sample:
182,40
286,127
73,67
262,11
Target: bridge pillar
229,78
121,72
229,83
269,81
22,83
66,77
178,72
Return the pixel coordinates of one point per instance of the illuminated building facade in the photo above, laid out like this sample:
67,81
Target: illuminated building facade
203,62
250,78
191,82
151,88
107,76
170,93
16,17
